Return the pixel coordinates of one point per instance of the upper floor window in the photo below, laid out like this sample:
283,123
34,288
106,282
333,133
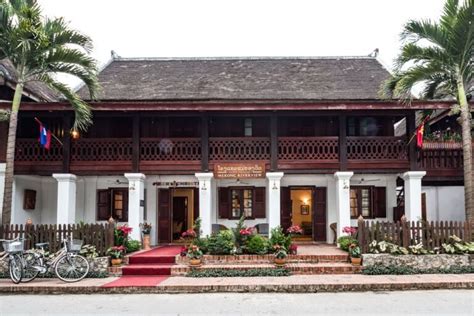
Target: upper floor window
248,127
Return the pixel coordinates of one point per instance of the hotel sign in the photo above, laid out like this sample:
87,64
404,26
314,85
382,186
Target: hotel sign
239,170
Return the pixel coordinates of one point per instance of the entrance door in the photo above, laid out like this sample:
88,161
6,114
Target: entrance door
164,216
319,214
180,215
285,208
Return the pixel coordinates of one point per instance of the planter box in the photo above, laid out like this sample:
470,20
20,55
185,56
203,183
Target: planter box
442,145
422,262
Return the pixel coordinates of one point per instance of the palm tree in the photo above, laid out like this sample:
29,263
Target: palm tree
39,48
439,55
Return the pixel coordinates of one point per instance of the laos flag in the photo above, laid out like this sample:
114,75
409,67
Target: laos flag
45,137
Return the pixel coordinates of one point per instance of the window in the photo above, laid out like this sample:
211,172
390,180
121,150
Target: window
248,127
112,203
361,202
241,202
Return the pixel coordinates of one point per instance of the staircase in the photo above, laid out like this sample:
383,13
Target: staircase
157,262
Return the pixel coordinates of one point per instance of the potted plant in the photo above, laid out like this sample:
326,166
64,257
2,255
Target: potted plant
280,255
116,254
293,250
354,252
195,256
146,230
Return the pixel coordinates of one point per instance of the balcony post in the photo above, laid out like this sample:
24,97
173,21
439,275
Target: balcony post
136,200
273,142
411,128
205,201
342,142
136,143
343,208
273,198
204,143
66,139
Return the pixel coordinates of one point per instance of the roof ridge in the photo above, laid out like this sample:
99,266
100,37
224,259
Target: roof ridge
237,58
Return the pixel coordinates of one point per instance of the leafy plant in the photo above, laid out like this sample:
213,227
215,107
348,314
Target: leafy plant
280,252
197,227
116,252
241,233
202,243
132,245
257,244
121,233
89,251
278,238
387,247
401,270
417,249
216,273
194,252
354,251
222,243
345,241
146,228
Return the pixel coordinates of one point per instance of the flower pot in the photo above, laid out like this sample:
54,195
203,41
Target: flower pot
194,262
146,242
356,261
280,262
116,261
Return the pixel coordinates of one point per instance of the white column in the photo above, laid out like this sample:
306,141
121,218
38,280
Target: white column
136,196
66,206
343,210
2,186
273,198
205,201
413,194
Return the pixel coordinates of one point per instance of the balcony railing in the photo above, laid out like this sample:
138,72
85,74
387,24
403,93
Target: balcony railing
170,149
377,148
29,150
101,149
308,148
239,148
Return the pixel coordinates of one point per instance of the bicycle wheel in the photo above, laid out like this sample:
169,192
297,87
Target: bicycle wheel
15,267
71,268
29,272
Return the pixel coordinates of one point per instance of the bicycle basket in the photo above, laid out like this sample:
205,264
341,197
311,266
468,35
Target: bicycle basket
74,245
14,246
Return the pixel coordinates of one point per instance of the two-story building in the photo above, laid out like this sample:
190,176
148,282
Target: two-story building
285,141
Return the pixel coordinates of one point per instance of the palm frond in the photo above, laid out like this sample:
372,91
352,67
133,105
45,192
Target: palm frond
415,31
415,53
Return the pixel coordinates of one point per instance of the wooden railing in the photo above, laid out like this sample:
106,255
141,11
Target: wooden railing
376,148
99,235
308,148
28,149
239,148
405,233
101,149
170,149
430,159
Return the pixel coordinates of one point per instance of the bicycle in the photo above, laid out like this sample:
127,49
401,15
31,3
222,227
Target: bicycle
68,265
13,249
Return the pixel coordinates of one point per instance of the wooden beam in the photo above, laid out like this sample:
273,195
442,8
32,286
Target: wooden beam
66,139
204,143
136,143
273,142
342,142
411,129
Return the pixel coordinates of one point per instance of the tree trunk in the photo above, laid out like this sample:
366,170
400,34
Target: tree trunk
7,196
467,152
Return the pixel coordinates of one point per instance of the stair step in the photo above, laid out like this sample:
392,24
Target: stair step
151,259
147,269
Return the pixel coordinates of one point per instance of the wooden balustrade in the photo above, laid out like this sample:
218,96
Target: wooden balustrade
101,149
376,148
170,149
30,150
308,148
440,159
239,148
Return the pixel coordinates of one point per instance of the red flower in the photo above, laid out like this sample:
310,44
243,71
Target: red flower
295,229
125,229
246,231
190,233
349,230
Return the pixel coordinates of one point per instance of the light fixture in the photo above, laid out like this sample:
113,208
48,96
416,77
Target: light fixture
274,186
204,188
75,134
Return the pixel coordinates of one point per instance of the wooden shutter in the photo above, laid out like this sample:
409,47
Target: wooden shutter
319,214
164,216
224,203
285,208
380,202
259,207
103,205
125,205
195,203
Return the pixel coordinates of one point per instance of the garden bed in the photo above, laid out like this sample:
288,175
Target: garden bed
419,262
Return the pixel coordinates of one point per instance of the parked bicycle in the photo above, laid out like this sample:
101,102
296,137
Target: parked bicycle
13,249
68,265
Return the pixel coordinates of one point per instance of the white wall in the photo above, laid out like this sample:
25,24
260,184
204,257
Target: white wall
444,203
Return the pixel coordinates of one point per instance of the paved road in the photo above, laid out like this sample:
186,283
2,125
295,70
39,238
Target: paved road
440,302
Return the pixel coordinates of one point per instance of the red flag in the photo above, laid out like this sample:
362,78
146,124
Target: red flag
45,137
419,135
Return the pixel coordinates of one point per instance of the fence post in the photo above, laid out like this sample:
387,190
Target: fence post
110,227
405,232
361,234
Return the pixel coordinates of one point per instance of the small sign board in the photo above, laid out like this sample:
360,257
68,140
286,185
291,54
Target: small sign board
251,170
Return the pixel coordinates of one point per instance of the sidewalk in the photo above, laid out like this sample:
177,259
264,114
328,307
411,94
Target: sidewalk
294,284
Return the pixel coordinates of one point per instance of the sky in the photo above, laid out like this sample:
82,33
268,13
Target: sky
223,28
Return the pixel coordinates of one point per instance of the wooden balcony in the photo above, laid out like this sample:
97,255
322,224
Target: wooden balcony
184,155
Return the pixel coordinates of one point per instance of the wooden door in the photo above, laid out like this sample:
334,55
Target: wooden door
164,216
180,215
319,214
285,208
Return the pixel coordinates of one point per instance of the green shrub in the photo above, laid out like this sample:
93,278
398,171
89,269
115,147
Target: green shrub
221,243
402,270
257,244
202,243
279,238
215,273
132,245
345,241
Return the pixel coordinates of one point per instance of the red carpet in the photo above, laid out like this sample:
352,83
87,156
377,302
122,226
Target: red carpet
136,281
172,250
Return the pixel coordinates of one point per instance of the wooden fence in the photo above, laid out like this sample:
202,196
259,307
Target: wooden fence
99,235
405,233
